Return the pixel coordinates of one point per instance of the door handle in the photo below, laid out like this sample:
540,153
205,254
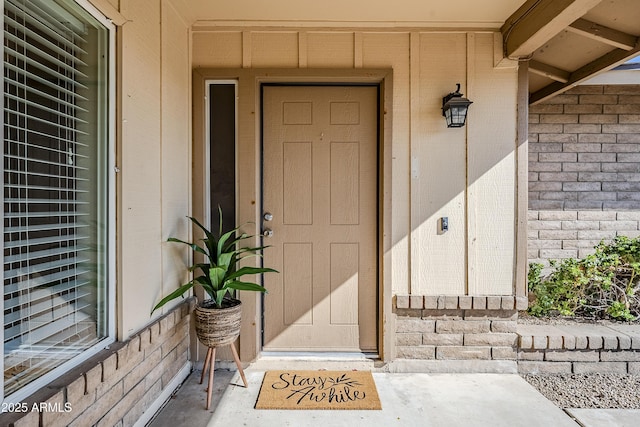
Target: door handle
267,232
267,216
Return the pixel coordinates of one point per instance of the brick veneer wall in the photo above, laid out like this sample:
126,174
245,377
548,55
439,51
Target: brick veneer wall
457,327
579,349
117,386
579,361
584,170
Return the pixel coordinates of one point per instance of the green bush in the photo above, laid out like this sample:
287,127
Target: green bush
604,284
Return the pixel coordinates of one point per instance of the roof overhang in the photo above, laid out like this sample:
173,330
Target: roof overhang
570,41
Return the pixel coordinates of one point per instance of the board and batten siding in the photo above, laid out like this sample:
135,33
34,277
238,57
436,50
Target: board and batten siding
466,174
154,157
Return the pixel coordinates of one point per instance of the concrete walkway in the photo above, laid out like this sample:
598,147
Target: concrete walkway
412,400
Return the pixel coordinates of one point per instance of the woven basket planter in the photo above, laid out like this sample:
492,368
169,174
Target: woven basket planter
216,327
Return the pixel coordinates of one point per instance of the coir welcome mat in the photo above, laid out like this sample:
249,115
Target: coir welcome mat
318,390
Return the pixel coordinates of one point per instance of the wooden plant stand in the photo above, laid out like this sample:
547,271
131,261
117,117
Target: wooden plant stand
209,362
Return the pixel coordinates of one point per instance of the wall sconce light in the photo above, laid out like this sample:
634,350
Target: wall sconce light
454,108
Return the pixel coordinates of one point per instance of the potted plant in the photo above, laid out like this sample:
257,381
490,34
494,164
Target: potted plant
218,317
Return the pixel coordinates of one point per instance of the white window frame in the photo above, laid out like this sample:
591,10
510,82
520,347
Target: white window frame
46,379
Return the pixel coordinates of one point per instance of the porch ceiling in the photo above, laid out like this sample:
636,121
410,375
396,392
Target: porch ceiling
569,41
565,41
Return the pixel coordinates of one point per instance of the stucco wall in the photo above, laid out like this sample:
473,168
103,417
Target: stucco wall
584,170
467,174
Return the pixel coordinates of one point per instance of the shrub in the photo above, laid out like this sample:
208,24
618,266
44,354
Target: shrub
604,284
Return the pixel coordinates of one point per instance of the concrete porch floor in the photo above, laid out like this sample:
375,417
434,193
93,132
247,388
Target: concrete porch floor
187,407
408,399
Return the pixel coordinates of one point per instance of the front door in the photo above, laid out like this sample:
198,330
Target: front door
320,149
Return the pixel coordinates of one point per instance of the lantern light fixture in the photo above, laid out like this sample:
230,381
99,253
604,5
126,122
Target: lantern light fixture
454,108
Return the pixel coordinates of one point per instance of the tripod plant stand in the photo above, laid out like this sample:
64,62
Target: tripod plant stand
209,362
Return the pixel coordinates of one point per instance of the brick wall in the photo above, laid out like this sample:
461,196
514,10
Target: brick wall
579,348
584,170
115,387
457,327
475,331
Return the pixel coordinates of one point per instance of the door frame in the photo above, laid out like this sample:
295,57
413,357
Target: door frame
249,184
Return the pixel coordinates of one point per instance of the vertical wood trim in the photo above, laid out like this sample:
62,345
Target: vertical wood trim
471,65
190,128
302,49
246,49
358,56
161,139
414,129
248,209
522,184
386,322
119,101
471,197
198,156
193,339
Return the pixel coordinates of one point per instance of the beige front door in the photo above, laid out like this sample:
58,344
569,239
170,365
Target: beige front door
320,186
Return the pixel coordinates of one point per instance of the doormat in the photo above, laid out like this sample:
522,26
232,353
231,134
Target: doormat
318,390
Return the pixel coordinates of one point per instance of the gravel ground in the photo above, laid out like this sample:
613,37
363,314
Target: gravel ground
589,390
595,390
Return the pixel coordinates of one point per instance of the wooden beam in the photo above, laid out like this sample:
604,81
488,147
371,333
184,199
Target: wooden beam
499,61
537,21
549,71
603,34
604,63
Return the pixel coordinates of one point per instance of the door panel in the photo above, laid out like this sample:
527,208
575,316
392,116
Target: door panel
297,183
297,280
320,185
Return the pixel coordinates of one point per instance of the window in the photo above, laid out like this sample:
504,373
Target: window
222,151
57,189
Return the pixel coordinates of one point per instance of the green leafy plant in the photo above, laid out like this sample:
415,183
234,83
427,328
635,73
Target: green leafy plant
600,285
220,275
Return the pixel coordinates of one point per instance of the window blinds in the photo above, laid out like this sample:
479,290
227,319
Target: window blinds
52,250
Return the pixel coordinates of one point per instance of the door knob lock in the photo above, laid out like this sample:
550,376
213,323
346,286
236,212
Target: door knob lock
267,232
267,216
